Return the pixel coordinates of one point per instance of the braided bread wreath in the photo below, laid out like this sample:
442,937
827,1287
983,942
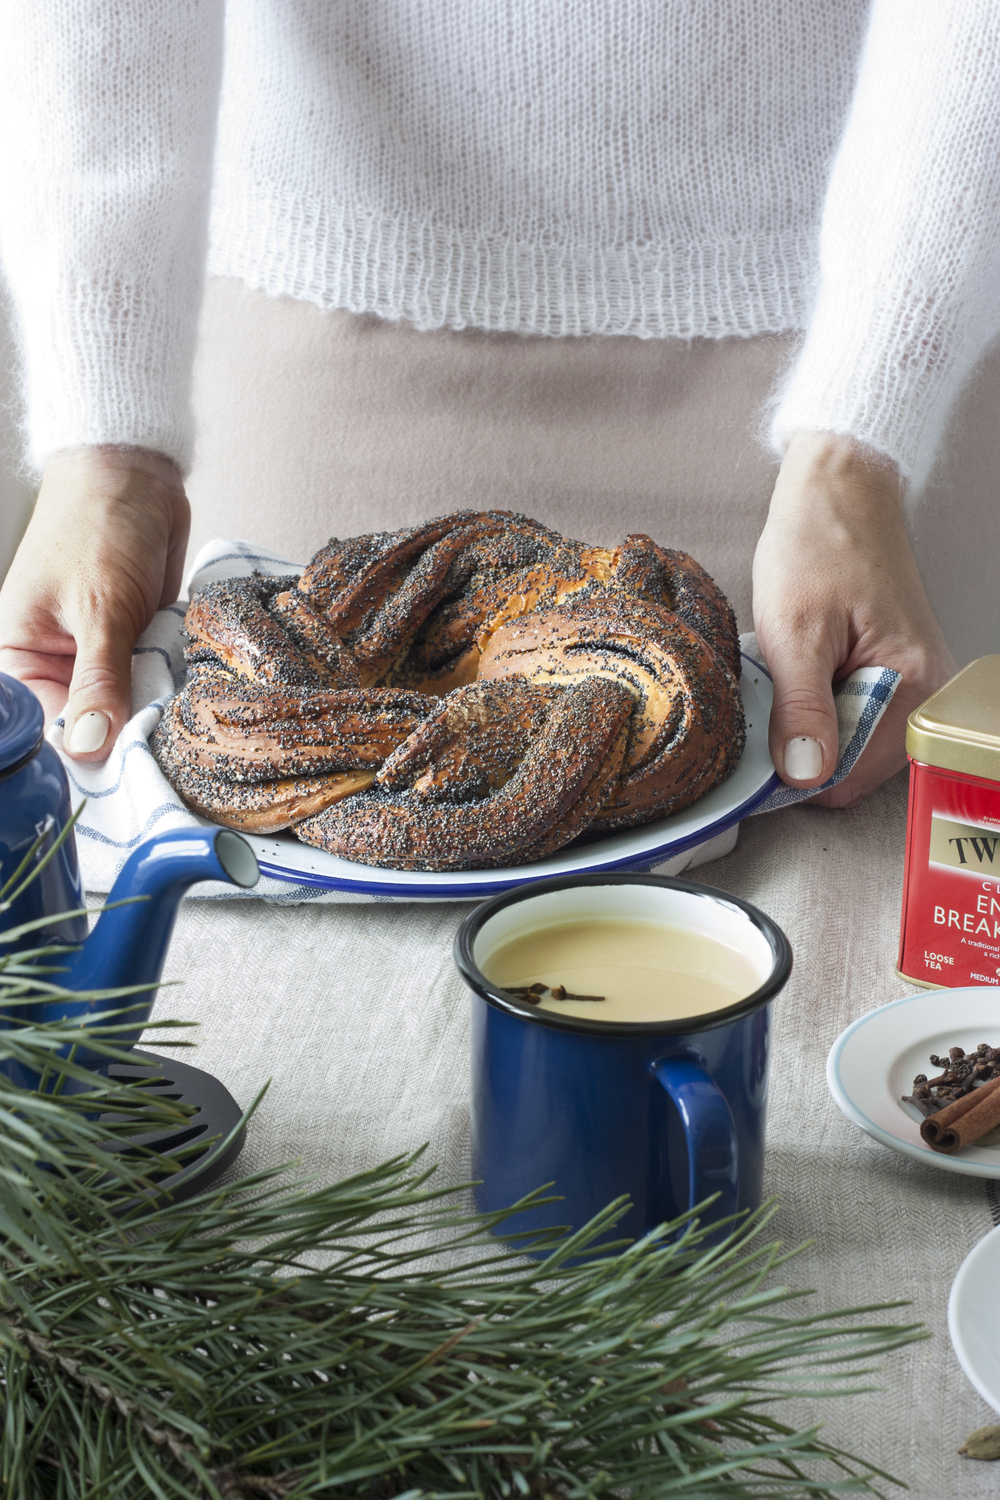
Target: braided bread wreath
472,692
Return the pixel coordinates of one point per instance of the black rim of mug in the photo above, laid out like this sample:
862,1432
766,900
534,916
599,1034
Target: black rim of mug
477,981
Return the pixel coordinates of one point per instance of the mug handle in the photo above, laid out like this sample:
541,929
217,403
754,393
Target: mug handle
713,1150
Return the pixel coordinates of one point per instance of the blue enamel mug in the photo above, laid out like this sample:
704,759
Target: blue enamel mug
667,1113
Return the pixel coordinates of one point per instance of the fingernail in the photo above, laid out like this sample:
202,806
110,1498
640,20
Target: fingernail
803,758
88,733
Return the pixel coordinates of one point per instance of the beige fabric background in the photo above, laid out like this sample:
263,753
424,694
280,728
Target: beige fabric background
312,423
315,423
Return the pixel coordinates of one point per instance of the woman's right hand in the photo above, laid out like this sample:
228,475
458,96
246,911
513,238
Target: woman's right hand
104,550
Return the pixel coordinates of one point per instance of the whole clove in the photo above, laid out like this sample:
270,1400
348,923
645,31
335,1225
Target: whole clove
533,993
962,1072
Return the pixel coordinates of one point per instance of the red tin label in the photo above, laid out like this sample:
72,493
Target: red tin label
950,933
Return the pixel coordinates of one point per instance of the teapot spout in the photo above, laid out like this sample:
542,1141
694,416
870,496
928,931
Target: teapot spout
129,943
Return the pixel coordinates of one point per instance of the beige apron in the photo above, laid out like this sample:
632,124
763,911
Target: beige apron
313,423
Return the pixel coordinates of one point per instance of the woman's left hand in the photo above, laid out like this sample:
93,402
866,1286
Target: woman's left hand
836,587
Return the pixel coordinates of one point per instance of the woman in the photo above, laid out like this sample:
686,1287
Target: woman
566,184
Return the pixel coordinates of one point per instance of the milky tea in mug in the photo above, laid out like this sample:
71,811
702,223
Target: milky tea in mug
629,969
656,1092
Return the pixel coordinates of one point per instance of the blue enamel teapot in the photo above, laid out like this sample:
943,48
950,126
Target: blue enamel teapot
129,943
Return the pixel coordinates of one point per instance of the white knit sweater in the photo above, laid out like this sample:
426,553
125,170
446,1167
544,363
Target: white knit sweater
655,168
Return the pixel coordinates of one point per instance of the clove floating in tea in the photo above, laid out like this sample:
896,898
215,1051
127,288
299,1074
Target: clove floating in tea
533,993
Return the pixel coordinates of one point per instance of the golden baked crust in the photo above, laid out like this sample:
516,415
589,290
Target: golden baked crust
471,692
235,730
686,731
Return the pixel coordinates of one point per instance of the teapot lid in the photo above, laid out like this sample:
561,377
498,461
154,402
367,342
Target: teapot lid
22,723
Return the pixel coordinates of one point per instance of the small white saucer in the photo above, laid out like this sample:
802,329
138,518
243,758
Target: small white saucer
874,1062
974,1317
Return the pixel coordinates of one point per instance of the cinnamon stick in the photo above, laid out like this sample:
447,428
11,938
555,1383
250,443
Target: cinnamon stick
964,1121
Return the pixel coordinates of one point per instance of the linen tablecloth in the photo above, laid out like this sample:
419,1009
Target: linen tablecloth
357,1016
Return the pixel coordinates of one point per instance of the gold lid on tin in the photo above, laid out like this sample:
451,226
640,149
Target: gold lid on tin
958,727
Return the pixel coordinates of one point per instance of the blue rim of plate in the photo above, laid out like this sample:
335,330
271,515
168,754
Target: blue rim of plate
854,1113
507,880
639,862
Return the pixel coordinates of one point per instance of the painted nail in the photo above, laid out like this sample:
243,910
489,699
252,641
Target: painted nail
803,758
88,733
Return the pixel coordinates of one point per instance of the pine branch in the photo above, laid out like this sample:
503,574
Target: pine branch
370,1338
109,1398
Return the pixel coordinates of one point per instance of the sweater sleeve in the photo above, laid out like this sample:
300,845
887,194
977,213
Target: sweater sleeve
107,118
909,291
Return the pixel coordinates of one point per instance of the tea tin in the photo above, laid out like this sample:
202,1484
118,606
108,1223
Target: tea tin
950,930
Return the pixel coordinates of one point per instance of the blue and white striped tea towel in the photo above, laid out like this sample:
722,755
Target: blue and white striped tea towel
860,700
129,799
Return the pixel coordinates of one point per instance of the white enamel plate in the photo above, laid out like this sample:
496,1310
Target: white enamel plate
874,1062
283,858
